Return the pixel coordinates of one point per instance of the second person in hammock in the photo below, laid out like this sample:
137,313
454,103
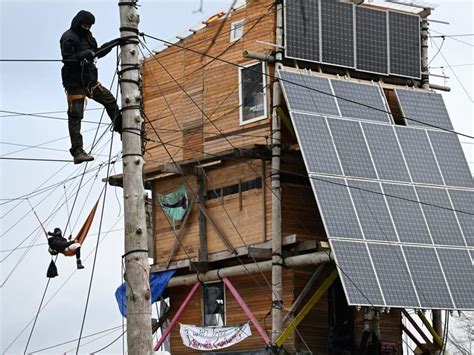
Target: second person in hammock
58,244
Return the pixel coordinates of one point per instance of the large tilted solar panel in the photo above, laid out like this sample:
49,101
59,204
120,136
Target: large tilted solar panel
422,108
387,275
371,40
404,42
302,29
396,203
337,33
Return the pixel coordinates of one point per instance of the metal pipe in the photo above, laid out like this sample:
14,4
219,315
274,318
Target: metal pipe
440,87
264,57
240,270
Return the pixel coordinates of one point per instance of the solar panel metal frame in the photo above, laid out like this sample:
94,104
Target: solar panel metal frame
387,46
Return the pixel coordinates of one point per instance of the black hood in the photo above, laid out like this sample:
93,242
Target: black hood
82,17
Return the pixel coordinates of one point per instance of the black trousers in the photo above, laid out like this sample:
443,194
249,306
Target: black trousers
75,113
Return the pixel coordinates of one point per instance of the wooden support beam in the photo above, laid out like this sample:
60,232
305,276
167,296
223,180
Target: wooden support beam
304,292
307,307
259,253
436,338
218,230
180,232
202,190
418,329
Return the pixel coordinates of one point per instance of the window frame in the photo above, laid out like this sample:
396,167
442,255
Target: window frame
265,94
233,26
203,301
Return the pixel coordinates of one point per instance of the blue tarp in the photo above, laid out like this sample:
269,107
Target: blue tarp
158,283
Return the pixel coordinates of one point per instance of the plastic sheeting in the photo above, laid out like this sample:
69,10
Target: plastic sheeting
158,283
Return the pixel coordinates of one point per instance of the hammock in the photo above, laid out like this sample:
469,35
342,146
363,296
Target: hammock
81,236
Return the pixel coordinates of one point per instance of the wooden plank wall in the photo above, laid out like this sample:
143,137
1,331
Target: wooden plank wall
184,119
242,227
258,299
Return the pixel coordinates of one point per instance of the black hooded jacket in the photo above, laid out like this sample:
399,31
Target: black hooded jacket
78,48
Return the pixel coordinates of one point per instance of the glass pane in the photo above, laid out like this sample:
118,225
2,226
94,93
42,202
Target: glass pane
253,95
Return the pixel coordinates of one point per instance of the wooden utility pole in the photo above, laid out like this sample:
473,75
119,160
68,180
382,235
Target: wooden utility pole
137,270
277,256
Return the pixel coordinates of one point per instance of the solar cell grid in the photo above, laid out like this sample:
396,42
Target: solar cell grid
362,101
385,151
451,159
421,107
358,276
316,144
308,93
353,152
404,37
442,223
463,202
336,207
337,33
428,277
459,271
393,275
372,210
406,213
419,155
302,29
371,40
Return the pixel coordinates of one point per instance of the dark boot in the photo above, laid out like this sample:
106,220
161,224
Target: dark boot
79,264
81,157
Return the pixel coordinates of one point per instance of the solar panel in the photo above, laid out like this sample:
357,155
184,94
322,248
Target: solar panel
444,227
308,93
404,38
337,33
352,149
357,274
319,154
451,159
335,205
302,29
393,275
358,100
428,277
419,155
385,151
406,213
423,108
463,202
459,271
371,40
392,230
372,210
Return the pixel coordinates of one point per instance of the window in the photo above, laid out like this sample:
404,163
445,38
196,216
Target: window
253,93
236,30
214,304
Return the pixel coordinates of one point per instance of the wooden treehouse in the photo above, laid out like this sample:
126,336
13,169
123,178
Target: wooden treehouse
209,101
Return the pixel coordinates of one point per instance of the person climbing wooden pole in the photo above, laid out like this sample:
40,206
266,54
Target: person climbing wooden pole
139,340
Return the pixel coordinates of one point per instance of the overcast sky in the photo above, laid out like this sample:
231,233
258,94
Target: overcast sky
31,30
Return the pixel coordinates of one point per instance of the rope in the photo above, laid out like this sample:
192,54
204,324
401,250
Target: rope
98,237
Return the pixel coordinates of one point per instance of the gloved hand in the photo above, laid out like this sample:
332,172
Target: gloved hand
86,54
